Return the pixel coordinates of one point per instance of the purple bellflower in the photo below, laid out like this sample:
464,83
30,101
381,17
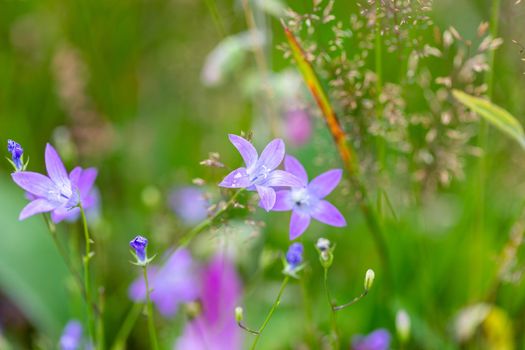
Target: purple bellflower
58,193
307,201
260,173
17,153
377,340
71,338
215,328
171,284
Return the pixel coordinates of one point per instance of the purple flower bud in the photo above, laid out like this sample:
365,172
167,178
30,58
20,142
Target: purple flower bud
16,154
140,244
294,256
72,336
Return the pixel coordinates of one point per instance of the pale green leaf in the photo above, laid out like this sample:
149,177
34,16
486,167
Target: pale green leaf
495,115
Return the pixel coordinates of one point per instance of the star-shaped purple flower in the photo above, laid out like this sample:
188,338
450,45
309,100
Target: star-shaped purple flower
377,340
58,193
260,173
307,200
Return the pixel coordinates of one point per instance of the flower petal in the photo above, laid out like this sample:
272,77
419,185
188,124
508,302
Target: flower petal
282,201
37,206
293,166
298,224
272,155
267,195
325,183
328,214
245,148
34,183
282,178
74,175
86,181
64,213
55,168
236,179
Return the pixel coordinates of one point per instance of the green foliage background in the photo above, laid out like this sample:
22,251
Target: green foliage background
143,61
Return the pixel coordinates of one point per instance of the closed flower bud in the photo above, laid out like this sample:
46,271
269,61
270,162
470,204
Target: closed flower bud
369,279
326,256
239,314
403,325
193,309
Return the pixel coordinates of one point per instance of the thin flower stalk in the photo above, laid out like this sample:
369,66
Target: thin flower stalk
333,317
149,308
270,314
87,277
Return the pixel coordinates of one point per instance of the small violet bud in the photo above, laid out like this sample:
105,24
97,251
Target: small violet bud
139,244
17,153
369,279
239,314
403,325
294,256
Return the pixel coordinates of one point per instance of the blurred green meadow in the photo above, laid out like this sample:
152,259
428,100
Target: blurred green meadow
131,88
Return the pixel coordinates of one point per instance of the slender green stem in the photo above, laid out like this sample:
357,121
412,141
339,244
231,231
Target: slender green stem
240,324
149,306
270,314
87,282
351,302
65,255
333,317
188,237
126,327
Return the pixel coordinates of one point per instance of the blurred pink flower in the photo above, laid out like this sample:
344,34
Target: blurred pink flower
298,126
171,284
215,328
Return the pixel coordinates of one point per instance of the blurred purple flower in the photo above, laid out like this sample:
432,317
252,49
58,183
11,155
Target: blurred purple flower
294,256
377,340
193,213
16,154
259,173
298,126
71,338
170,284
58,193
140,244
306,201
216,327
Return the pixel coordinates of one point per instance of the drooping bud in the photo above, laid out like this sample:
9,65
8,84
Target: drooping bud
403,325
239,314
369,279
326,256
